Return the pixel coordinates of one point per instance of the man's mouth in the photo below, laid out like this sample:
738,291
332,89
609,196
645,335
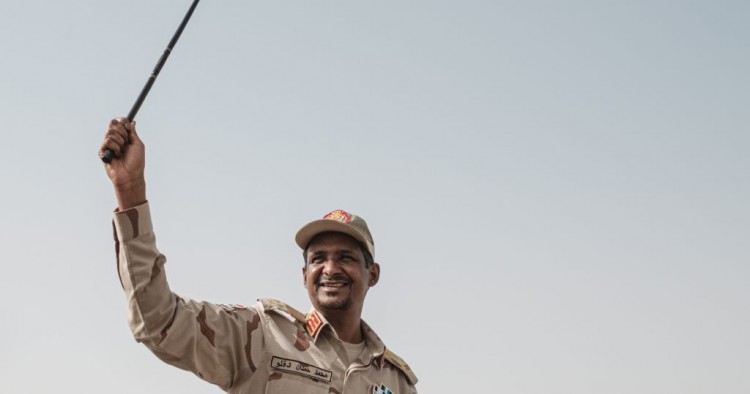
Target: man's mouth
333,284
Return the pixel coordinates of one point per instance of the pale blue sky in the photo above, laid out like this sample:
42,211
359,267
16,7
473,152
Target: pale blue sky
558,191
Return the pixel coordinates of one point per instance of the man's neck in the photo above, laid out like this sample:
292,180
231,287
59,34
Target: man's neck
348,325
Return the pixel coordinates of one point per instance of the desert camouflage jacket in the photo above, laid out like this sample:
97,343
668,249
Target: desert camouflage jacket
265,348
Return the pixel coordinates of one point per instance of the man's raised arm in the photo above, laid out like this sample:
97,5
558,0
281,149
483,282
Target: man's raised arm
207,339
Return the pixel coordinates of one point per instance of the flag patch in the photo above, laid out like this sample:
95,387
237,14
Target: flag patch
382,389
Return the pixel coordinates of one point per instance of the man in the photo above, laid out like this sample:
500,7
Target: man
269,347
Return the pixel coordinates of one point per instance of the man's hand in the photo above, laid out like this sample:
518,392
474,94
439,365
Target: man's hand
126,170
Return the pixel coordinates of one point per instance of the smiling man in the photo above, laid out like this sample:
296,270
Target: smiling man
268,347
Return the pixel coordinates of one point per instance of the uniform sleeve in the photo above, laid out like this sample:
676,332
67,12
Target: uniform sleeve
213,341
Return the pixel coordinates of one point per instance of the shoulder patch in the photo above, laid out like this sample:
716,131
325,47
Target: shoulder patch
399,363
276,305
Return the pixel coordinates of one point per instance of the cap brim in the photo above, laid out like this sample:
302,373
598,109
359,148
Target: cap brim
310,230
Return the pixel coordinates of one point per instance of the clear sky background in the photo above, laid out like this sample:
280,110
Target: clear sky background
558,191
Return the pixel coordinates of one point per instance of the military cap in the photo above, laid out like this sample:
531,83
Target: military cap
338,221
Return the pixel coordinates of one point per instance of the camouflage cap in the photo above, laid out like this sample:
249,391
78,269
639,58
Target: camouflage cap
338,221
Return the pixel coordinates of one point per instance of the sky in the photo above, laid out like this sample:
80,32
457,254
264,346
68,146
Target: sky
558,191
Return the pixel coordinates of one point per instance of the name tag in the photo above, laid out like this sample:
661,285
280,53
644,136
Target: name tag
301,368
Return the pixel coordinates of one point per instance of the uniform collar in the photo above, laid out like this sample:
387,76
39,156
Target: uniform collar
316,323
374,344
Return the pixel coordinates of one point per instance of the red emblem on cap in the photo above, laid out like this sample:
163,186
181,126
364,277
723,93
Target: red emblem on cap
339,215
313,323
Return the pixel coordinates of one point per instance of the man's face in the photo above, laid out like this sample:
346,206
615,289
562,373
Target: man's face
335,274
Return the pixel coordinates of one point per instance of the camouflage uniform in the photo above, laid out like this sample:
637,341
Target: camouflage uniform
265,348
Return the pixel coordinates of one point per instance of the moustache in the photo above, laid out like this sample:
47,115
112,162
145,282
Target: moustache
334,278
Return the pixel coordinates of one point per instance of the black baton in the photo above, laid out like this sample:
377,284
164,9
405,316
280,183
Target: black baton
109,155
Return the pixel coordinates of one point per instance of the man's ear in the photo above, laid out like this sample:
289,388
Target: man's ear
374,274
304,275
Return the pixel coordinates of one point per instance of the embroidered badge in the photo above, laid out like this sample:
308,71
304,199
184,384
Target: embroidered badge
313,323
300,368
339,215
382,389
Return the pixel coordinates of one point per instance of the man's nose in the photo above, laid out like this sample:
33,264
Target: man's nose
330,267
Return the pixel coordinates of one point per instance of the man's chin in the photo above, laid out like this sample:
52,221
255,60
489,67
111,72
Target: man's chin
335,304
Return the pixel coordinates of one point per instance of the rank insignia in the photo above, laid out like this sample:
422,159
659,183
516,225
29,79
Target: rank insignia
339,215
382,389
313,323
